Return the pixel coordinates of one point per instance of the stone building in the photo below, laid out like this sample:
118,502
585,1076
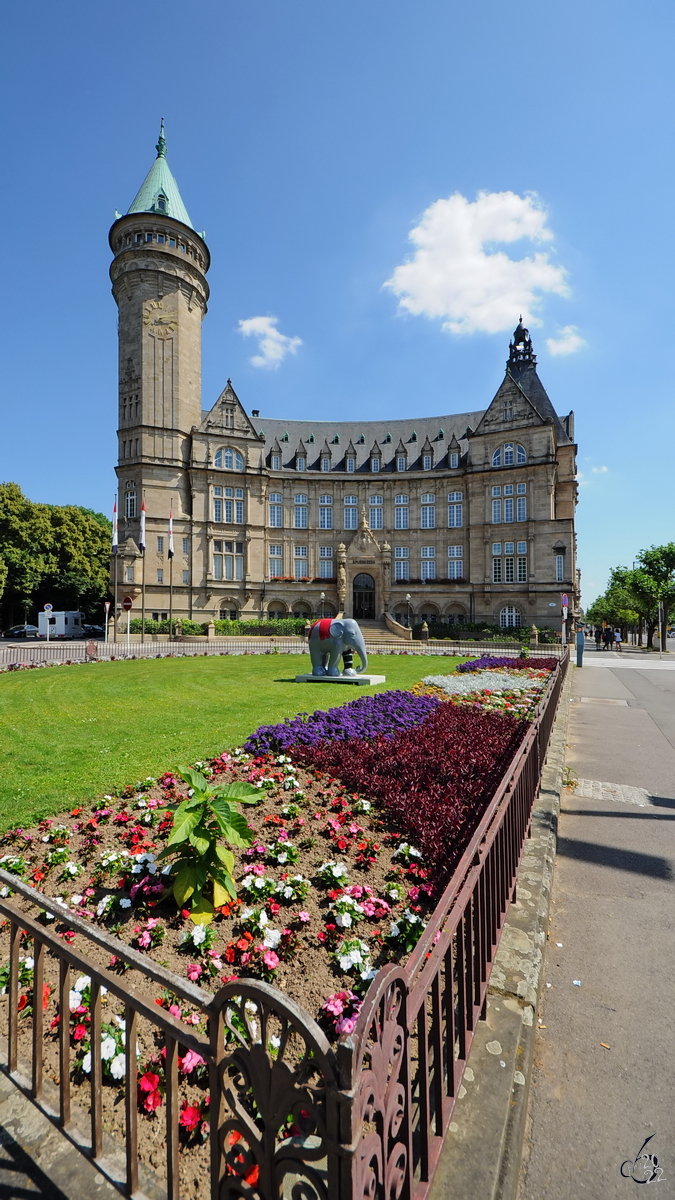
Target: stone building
463,517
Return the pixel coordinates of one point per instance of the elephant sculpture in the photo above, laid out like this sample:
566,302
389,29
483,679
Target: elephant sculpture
328,639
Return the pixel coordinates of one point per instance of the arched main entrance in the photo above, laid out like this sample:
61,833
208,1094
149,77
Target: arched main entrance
364,597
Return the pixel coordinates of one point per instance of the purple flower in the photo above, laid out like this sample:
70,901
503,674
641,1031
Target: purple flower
381,715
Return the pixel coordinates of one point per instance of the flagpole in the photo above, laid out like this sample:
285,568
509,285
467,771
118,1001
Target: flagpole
142,549
114,557
171,571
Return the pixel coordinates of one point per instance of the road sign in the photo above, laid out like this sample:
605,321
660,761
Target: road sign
49,607
565,600
127,603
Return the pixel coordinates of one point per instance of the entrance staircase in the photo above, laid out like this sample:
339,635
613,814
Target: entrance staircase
378,631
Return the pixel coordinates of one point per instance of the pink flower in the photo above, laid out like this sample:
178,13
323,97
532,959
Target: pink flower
354,829
334,1005
257,869
79,1032
192,1019
190,1116
271,960
190,1061
152,923
245,958
304,917
345,1025
144,941
414,893
175,1011
193,972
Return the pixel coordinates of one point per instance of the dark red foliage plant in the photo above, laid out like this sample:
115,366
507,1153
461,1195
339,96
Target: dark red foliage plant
435,780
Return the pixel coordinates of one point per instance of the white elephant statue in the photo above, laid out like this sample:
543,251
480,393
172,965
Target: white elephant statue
328,639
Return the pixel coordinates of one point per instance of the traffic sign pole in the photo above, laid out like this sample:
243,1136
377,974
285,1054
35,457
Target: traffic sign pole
48,609
127,605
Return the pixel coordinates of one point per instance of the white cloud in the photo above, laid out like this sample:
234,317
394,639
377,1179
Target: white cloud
568,341
273,346
457,272
600,470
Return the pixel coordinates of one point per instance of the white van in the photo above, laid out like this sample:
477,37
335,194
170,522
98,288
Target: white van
61,625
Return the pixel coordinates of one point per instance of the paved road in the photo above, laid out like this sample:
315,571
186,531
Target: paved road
591,1108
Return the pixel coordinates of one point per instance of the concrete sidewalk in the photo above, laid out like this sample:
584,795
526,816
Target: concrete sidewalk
603,1075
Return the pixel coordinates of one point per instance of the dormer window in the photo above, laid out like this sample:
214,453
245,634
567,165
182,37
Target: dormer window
285,437
400,462
276,462
454,461
161,203
300,462
413,436
387,439
361,441
351,464
336,440
325,463
374,464
426,462
310,439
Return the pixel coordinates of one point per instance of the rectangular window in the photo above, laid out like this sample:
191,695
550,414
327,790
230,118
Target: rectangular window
508,510
217,510
351,512
300,462
186,545
508,489
428,562
276,462
426,462
522,489
455,551
160,576
325,464
276,510
160,545
496,570
186,576
508,454
326,562
374,465
454,516
239,512
559,568
300,562
508,570
130,505
521,508
128,574
148,237
400,462
496,512
401,515
401,565
376,517
496,491
455,568
521,547
522,570
454,461
496,547
300,515
276,562
239,560
508,547
351,463
325,512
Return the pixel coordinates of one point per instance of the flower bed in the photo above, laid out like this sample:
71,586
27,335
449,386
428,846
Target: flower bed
337,866
490,662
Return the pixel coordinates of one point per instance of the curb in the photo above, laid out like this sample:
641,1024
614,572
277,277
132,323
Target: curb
483,1150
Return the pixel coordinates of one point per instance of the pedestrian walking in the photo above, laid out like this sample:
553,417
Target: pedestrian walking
608,638
598,637
617,639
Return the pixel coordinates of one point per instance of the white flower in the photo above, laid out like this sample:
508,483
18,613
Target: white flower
282,858
263,919
82,982
272,938
119,1022
198,934
108,1047
247,881
50,916
394,931
259,883
45,839
339,869
76,899
287,892
4,892
74,1000
343,920
275,1042
86,1062
118,1066
30,963
103,905
345,961
136,869
124,903
246,913
142,803
152,868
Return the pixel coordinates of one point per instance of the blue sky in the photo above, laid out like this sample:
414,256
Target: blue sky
309,140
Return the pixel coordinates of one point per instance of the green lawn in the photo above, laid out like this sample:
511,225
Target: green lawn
69,734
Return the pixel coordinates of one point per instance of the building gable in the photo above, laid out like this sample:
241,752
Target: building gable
228,414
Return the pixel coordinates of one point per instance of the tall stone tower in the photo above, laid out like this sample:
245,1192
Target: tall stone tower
159,283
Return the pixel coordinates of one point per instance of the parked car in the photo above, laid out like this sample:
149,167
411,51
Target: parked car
21,631
92,630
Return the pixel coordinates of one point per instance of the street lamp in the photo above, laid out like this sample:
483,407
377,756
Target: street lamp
322,597
407,599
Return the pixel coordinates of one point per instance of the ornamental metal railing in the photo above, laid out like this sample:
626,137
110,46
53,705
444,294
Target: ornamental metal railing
372,1113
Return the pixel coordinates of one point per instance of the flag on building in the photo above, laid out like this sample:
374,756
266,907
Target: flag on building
170,533
141,540
114,534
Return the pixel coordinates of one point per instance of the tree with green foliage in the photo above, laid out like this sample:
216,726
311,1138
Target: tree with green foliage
633,594
55,553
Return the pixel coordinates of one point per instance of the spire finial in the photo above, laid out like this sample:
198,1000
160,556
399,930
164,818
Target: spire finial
161,143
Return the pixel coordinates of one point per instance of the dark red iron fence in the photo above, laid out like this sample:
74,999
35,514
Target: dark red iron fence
373,1113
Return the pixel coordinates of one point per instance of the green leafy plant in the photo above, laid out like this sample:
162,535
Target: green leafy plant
200,826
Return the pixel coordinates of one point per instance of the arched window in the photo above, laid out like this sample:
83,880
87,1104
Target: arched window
509,617
497,457
508,454
229,459
161,203
521,456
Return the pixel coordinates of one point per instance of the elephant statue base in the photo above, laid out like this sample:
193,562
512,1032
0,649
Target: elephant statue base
330,640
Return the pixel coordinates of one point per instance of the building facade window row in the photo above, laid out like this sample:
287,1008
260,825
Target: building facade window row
350,513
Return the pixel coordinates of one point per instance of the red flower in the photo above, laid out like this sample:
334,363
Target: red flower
46,993
79,1032
251,1176
148,1082
23,1001
55,1022
190,1116
152,1100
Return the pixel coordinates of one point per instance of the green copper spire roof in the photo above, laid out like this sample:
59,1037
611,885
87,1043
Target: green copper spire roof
159,190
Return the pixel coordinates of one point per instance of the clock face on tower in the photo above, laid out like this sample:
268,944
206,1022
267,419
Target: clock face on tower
157,320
